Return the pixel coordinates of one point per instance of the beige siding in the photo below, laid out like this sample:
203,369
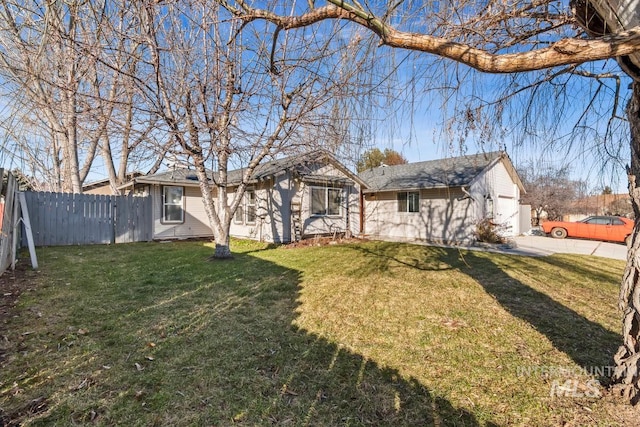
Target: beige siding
274,198
195,222
267,226
444,216
349,216
103,189
326,169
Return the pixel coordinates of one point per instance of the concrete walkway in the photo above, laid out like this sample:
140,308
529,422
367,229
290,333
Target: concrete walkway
540,246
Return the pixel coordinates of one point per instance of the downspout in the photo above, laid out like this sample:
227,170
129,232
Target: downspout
361,212
348,219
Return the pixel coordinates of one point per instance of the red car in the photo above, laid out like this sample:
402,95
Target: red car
610,228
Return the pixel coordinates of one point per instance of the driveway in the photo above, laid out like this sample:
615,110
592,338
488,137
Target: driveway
540,245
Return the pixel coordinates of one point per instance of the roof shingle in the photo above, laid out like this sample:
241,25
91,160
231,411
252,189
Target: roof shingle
450,172
297,163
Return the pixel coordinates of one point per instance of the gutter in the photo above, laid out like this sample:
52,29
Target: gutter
603,17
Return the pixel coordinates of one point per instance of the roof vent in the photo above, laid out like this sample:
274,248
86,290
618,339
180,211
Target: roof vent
191,177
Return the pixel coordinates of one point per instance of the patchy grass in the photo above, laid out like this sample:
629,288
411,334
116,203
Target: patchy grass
359,334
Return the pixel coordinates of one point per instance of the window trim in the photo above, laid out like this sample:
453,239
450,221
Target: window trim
163,214
243,210
406,201
325,189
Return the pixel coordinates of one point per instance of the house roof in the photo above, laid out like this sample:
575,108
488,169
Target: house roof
603,17
296,163
105,182
449,172
182,176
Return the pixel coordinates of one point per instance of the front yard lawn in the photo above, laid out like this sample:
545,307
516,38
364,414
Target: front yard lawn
362,334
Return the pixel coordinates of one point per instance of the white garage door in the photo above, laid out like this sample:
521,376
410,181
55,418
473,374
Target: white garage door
507,216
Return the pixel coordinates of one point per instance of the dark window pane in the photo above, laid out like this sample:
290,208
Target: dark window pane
402,202
173,213
318,201
173,195
413,201
334,201
599,221
239,216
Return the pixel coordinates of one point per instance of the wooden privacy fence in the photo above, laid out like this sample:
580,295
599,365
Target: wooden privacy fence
84,219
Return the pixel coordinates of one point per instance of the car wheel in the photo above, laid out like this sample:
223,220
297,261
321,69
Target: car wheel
558,233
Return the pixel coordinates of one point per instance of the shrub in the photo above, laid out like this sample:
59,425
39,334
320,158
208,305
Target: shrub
488,231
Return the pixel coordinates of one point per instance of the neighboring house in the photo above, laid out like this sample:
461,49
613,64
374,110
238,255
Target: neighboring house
287,199
103,186
442,200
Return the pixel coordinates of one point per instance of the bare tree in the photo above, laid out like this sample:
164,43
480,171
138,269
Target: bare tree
229,93
39,57
550,191
511,39
70,76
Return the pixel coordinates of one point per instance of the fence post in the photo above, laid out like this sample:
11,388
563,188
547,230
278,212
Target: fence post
6,238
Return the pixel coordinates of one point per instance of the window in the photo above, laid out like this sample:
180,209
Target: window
598,220
248,207
488,206
408,201
172,204
325,201
239,216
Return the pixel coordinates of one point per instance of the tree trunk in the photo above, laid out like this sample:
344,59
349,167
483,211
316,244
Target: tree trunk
626,376
223,250
223,228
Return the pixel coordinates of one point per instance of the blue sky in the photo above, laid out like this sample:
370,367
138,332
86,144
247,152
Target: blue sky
558,132
417,117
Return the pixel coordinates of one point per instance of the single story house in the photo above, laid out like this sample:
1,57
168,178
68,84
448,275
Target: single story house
314,194
287,199
442,200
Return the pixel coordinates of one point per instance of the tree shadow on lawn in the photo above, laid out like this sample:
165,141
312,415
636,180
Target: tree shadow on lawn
588,343
226,351
383,257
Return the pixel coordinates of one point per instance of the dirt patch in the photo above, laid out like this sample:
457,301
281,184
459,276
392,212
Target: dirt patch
12,285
